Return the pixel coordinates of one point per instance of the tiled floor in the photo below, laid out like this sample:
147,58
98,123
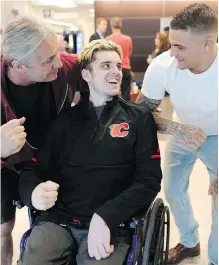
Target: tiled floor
199,197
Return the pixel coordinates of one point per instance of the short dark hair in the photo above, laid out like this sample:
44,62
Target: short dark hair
166,29
197,17
116,23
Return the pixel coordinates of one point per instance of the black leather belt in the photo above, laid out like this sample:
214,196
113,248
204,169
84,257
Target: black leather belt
76,223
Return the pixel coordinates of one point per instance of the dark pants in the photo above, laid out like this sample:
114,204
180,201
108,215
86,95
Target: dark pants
51,244
126,84
9,192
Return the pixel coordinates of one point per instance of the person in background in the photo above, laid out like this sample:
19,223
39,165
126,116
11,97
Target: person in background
125,43
161,45
101,28
62,43
166,30
37,83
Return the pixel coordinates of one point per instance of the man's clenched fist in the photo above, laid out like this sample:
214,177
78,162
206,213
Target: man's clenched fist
45,195
13,137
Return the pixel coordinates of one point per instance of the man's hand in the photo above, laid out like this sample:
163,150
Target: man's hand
45,195
213,190
99,239
189,135
13,137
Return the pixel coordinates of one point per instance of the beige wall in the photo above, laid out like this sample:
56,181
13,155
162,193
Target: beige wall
7,6
82,21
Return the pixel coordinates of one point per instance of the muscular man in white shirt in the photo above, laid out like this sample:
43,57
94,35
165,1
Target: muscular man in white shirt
188,72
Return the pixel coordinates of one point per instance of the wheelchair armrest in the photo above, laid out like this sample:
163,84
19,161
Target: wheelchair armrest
19,204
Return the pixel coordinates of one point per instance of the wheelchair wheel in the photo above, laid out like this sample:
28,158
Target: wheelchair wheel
156,243
24,239
162,248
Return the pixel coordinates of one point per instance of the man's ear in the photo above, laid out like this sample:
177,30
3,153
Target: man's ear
209,44
18,66
86,75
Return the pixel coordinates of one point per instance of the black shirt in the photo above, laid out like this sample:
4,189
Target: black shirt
110,166
36,103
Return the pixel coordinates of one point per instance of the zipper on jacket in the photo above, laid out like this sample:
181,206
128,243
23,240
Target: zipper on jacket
66,92
95,114
97,127
6,115
7,118
57,113
35,148
6,112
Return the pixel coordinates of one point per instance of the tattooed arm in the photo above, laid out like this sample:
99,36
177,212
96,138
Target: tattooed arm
150,104
189,135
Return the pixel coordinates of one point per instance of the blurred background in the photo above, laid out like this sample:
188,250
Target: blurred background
75,20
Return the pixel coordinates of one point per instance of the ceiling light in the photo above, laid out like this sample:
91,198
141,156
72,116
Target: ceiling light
88,2
60,23
64,3
57,3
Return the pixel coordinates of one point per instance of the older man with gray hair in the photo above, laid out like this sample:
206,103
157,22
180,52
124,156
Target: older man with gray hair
37,82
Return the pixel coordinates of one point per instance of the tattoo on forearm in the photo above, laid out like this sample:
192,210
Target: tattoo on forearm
150,104
181,132
215,187
165,126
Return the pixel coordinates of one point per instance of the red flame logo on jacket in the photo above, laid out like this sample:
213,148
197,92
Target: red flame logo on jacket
119,130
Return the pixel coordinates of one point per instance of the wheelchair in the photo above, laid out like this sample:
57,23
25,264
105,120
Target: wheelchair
150,242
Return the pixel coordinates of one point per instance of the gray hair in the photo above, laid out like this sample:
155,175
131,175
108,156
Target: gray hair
22,37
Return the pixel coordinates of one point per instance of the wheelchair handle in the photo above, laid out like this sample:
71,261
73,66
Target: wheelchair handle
18,204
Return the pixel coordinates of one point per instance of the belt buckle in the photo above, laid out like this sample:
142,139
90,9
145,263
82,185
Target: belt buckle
77,223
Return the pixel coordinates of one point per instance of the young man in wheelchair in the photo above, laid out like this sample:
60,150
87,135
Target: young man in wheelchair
100,166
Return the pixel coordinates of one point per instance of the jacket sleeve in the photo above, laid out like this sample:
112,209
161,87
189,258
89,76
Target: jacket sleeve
147,182
92,37
44,166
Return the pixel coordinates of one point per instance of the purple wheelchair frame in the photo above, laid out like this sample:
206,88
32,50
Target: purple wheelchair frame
27,233
131,257
143,235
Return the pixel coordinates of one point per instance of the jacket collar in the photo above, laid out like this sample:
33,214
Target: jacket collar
109,104
87,112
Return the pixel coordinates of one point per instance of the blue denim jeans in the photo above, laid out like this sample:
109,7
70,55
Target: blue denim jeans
52,244
179,163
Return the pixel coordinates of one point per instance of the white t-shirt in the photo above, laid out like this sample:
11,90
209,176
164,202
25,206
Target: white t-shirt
193,96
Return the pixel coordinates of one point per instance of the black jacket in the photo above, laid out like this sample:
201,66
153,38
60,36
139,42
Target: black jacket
64,87
94,36
110,166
